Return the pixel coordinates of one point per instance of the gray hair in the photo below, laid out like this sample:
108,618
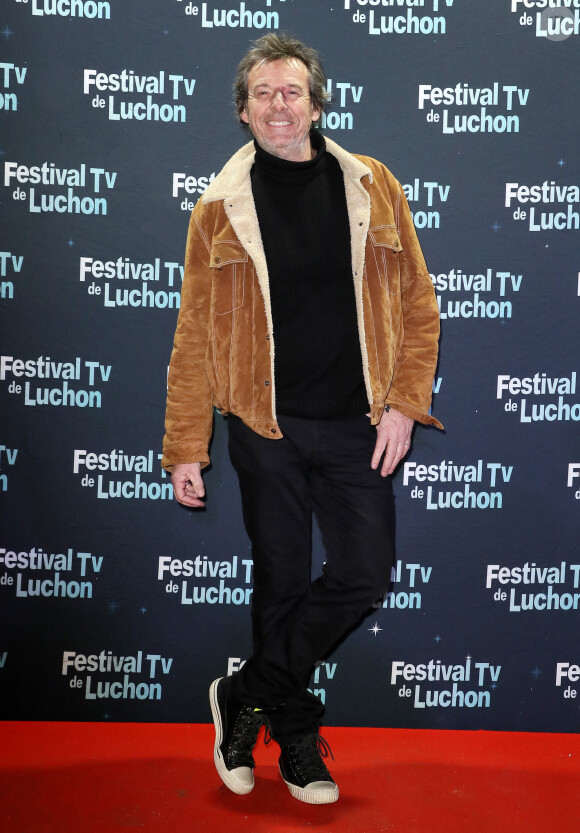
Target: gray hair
273,47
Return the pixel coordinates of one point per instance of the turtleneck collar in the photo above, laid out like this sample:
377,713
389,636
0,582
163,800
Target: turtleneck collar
274,164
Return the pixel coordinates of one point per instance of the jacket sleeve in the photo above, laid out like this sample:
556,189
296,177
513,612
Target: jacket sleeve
416,361
189,412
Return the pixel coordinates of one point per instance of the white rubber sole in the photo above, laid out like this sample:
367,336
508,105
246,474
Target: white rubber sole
240,780
321,796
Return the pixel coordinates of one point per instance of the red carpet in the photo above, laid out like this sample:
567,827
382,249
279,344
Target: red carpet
84,777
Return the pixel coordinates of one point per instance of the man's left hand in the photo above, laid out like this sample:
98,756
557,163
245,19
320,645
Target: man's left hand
393,440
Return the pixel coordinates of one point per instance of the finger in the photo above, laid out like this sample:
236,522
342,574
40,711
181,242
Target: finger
380,446
179,488
192,503
198,487
393,457
390,460
189,500
187,494
401,451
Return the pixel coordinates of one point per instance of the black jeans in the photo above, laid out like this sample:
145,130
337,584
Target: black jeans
320,466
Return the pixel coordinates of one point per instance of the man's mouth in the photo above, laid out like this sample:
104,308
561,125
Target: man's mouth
276,123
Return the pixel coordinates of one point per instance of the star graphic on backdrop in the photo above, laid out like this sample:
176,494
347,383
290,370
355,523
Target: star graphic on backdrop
536,672
6,32
493,686
468,657
375,628
71,243
437,639
561,162
113,606
143,610
106,716
496,226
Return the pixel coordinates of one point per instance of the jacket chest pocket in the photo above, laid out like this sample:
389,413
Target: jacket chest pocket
385,249
228,261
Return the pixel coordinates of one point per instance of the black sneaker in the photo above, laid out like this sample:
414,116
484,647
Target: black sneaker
305,773
236,732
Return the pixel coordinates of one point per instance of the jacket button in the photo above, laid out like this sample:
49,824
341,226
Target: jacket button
267,382
218,259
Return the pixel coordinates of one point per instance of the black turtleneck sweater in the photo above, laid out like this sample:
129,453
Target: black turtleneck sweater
303,219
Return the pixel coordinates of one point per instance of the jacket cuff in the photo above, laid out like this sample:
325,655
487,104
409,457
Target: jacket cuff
407,410
172,456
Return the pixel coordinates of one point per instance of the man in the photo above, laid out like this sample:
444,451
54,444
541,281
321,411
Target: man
309,317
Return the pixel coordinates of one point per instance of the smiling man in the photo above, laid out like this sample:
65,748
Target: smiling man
279,110
308,317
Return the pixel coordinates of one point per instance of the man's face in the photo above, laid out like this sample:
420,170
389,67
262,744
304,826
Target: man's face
278,109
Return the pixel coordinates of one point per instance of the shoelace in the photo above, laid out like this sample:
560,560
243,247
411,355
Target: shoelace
246,730
248,725
267,728
265,722
307,755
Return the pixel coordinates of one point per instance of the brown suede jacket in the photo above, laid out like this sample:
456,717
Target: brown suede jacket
224,352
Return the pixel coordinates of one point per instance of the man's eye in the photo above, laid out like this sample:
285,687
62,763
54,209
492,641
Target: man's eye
293,94
263,94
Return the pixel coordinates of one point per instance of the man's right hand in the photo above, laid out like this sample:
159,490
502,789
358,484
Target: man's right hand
188,484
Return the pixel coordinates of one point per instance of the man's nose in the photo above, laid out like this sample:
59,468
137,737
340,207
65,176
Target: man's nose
278,100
